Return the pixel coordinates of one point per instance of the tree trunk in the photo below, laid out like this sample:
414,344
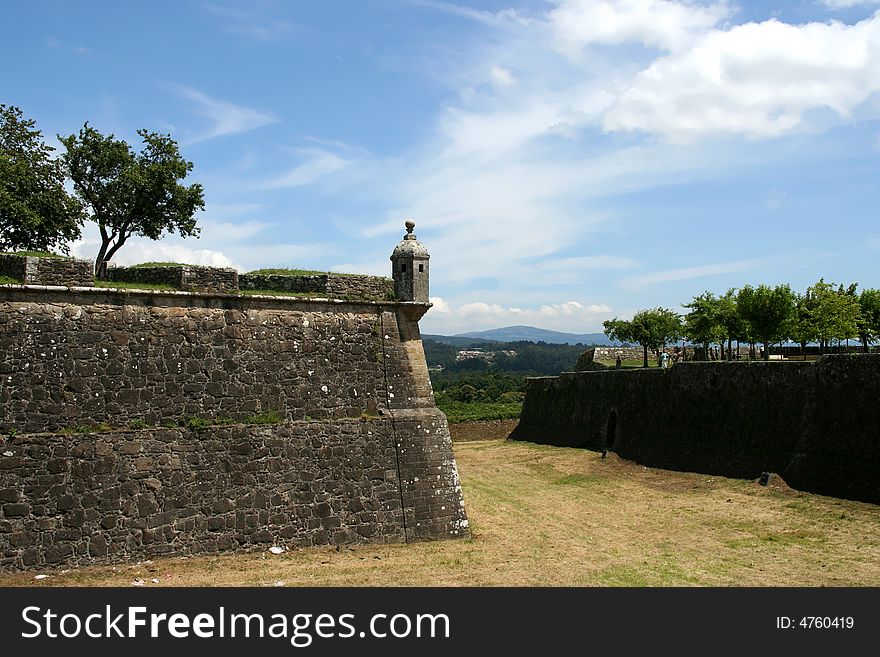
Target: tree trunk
864,338
645,360
766,349
99,260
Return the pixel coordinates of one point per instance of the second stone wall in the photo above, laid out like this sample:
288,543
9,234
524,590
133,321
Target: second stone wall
374,288
815,424
32,270
178,277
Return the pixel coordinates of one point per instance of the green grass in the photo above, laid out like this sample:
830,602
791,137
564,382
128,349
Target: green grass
147,265
283,293
35,254
101,427
8,280
196,423
478,411
266,417
119,285
296,272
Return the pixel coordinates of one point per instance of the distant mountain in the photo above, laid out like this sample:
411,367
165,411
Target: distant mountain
532,334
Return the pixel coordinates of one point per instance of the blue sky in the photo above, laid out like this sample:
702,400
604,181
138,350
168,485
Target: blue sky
565,161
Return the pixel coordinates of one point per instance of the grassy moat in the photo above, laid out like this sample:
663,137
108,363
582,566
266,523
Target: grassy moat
553,516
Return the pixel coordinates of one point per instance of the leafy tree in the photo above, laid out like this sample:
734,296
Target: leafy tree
36,212
703,323
132,193
869,324
835,312
467,393
618,329
728,317
768,311
803,326
652,329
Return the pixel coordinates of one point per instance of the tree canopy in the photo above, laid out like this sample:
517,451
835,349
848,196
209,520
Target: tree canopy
703,324
769,312
869,322
130,193
36,212
652,329
835,311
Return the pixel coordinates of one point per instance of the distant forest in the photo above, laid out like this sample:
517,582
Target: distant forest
532,358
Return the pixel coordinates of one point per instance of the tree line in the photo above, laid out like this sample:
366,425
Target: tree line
531,357
125,192
824,313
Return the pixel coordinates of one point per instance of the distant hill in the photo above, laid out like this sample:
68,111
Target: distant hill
526,334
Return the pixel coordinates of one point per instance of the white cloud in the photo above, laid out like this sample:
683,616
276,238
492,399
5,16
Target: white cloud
440,306
501,77
492,19
234,231
137,250
756,79
226,118
478,315
663,24
317,164
847,4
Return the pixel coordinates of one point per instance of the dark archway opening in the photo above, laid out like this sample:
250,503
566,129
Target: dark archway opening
611,430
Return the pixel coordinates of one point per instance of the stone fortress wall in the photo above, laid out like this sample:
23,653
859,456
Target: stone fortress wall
180,277
140,423
345,286
34,270
813,423
215,279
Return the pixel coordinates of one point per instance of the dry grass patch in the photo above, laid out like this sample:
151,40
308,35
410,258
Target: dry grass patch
557,517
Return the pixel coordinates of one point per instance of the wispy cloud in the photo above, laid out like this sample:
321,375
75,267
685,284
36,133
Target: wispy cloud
317,164
251,19
766,263
501,76
53,42
492,19
687,273
225,118
588,262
